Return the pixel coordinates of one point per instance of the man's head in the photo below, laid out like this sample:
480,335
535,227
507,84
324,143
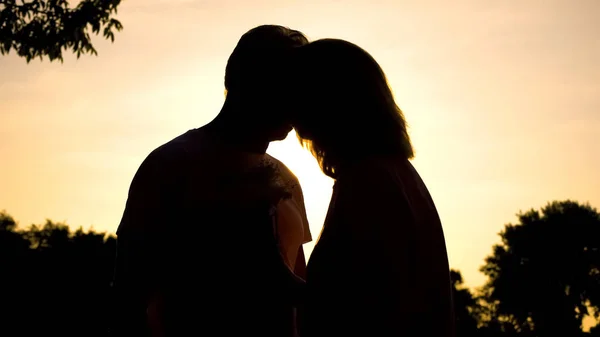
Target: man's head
256,76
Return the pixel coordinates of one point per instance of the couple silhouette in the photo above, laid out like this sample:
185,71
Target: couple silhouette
210,243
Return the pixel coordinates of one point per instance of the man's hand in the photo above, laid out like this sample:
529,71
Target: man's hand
155,317
300,267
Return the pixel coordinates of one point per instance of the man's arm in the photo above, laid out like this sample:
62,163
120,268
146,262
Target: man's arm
133,282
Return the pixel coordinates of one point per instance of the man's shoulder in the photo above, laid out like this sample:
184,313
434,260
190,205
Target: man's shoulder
289,178
173,151
293,183
166,158
175,147
285,172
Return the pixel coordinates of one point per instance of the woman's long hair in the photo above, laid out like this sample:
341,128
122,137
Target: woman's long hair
348,111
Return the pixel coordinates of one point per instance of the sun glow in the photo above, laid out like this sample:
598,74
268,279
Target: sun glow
316,186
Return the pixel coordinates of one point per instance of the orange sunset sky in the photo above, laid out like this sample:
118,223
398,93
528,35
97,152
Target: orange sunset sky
502,98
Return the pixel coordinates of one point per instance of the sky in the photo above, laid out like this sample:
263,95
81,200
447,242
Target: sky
502,99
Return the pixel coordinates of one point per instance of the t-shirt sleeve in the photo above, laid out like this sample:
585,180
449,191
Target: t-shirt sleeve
298,197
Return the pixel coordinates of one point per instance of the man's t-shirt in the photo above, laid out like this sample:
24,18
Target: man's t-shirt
208,157
169,198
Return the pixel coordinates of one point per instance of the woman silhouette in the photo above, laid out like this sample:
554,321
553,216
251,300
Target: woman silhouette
380,267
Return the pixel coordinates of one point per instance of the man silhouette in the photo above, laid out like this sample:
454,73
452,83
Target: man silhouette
211,238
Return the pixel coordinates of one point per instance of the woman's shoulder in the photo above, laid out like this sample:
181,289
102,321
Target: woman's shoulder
385,177
374,169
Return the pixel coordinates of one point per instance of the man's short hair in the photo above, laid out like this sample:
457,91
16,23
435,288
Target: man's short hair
260,57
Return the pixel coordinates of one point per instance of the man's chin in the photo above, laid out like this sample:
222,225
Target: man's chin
281,135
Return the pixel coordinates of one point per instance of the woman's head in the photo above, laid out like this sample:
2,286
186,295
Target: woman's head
348,111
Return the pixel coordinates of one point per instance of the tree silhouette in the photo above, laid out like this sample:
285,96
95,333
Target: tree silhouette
472,314
465,307
7,223
542,279
545,274
54,281
43,28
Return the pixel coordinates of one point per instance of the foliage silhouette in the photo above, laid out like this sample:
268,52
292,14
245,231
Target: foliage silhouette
54,281
43,28
542,278
545,274
465,307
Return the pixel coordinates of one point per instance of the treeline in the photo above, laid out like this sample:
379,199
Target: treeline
53,281
543,278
